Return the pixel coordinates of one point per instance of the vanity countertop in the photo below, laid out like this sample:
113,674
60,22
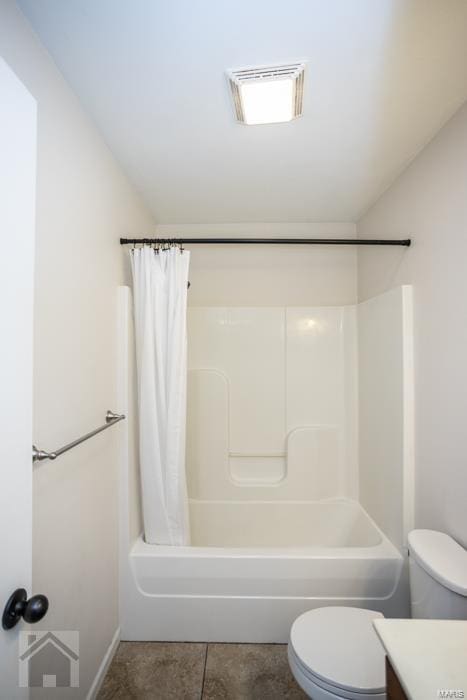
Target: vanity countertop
428,656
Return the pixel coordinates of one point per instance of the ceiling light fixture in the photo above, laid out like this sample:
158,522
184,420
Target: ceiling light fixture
268,94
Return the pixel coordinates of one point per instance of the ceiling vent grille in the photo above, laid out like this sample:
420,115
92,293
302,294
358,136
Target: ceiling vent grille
267,94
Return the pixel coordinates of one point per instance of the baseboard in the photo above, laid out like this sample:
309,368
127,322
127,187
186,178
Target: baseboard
100,675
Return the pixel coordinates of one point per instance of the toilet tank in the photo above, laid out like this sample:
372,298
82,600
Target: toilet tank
438,576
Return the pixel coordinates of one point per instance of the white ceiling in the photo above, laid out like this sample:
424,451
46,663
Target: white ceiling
382,78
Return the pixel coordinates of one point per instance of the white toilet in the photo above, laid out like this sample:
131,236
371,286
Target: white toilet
334,652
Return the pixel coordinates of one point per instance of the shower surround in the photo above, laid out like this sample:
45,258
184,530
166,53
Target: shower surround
272,404
275,481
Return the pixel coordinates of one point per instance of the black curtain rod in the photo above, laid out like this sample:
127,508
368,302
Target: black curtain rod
269,241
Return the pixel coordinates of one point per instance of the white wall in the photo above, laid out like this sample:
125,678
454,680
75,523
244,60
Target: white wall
84,204
244,275
428,202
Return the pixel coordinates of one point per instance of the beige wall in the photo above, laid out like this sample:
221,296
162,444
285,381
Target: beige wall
428,202
84,204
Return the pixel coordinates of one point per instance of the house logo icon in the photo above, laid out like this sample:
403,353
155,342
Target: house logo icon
49,659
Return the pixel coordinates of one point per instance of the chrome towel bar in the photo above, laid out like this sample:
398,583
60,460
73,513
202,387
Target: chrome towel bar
110,419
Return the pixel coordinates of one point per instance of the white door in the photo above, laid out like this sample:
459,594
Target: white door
17,218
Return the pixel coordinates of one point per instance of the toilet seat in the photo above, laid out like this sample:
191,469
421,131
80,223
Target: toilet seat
317,689
334,652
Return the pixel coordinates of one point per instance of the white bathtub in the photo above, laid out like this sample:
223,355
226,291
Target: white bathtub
281,524
255,566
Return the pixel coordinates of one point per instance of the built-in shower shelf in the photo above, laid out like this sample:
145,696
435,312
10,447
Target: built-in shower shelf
257,468
257,454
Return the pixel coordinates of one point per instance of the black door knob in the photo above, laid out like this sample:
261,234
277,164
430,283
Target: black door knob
18,606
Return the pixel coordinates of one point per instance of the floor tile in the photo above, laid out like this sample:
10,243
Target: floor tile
155,671
249,671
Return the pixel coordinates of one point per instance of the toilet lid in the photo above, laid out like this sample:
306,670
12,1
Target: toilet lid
441,557
340,646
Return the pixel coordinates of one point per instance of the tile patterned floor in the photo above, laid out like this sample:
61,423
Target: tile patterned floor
189,671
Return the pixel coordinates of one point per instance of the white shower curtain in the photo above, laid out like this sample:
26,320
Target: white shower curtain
160,283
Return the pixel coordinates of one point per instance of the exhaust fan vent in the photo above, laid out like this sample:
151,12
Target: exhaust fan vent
267,94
